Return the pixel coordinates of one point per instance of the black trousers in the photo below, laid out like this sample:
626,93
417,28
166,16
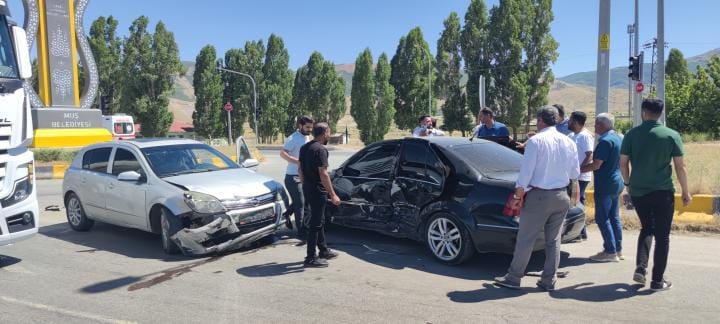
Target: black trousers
294,187
656,214
315,224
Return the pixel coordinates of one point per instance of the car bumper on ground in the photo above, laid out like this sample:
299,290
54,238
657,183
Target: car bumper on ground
209,238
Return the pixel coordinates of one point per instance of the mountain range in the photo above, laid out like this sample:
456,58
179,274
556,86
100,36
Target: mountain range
575,91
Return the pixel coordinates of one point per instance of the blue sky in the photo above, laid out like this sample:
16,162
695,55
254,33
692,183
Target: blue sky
341,29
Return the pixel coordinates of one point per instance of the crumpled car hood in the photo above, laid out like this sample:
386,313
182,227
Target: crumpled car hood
227,184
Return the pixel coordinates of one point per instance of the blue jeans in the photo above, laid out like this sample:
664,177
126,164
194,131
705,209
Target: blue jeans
607,216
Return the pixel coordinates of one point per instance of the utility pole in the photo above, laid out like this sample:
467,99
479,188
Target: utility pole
429,84
637,98
661,53
603,59
630,31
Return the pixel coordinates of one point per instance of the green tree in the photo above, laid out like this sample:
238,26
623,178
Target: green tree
676,67
150,64
475,51
362,97
384,98
318,91
238,90
509,88
706,98
106,48
540,53
448,60
409,76
677,104
208,87
276,90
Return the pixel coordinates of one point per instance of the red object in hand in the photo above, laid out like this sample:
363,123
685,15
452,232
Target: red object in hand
509,210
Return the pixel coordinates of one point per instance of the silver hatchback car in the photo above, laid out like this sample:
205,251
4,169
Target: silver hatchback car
199,200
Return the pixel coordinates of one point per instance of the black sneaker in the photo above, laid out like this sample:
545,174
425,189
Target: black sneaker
660,285
315,263
545,286
328,254
507,283
639,276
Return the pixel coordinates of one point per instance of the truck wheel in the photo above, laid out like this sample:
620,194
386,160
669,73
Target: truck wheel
76,216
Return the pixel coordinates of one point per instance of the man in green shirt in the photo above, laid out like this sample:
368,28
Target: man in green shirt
648,148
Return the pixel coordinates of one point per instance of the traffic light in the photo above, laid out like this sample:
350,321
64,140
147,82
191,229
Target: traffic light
105,105
636,70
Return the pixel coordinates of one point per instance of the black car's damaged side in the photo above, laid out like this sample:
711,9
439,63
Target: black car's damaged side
396,187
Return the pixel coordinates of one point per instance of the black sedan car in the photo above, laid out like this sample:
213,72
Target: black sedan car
447,192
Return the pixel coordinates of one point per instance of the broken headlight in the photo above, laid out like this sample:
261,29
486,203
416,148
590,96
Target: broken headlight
203,203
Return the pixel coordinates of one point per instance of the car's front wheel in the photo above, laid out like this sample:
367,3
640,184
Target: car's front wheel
169,225
448,240
76,216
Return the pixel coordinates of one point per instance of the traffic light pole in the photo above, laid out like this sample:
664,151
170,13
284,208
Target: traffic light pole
661,54
255,107
637,97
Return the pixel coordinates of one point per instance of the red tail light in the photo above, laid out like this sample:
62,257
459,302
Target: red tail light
508,210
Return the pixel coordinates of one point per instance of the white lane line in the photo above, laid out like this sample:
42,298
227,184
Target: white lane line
53,309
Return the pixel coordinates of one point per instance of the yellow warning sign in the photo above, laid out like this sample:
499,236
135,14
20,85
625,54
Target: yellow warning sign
605,42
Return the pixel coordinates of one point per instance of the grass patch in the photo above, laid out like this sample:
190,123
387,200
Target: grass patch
55,155
682,222
698,137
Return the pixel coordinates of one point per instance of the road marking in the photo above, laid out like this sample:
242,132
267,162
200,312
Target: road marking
53,309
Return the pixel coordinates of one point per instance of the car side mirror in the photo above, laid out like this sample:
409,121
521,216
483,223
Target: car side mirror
130,176
250,164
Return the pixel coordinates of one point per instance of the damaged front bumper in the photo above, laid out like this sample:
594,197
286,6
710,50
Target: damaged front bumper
195,241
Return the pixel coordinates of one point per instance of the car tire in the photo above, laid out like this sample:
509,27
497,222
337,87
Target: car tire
169,225
75,213
448,240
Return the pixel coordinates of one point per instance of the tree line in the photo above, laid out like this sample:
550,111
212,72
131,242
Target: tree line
692,100
510,46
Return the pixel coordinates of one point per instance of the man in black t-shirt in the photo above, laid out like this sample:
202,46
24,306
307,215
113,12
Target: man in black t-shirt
317,189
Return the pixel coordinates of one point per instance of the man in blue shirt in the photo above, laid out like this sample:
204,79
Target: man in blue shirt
563,125
490,127
608,186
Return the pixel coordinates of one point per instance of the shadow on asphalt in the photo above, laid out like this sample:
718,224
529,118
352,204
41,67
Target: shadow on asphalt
6,261
601,293
397,254
129,242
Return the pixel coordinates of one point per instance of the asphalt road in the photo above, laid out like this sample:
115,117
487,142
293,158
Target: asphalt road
116,275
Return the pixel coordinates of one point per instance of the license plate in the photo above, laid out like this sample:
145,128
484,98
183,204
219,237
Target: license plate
256,216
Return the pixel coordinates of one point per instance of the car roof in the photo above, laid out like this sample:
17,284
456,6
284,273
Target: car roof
146,142
447,141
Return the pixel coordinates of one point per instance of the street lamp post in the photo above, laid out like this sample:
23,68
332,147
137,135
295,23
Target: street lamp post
255,116
429,83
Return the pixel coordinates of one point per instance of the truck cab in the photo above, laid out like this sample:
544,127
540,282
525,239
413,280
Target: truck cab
19,215
121,126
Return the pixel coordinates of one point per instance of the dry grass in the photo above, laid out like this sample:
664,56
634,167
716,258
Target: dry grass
702,161
682,222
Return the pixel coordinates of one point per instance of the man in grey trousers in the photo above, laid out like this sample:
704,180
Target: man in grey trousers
549,164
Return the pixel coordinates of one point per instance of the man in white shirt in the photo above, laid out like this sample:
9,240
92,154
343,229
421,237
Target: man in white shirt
549,164
426,128
584,141
290,153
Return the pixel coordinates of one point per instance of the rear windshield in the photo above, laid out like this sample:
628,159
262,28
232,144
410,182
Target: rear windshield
123,128
488,158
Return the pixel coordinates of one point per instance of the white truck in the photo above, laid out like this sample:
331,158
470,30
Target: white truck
19,215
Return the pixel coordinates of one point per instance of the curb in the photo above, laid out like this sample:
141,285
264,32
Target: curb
51,172
704,204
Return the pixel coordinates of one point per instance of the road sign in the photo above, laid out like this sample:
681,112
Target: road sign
228,107
605,42
639,87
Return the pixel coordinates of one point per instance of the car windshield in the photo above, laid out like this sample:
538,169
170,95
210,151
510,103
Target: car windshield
173,160
489,158
8,70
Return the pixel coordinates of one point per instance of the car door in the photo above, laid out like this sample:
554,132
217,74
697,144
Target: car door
363,185
94,178
125,199
418,181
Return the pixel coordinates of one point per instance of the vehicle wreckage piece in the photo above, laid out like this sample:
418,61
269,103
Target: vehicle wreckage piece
190,240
